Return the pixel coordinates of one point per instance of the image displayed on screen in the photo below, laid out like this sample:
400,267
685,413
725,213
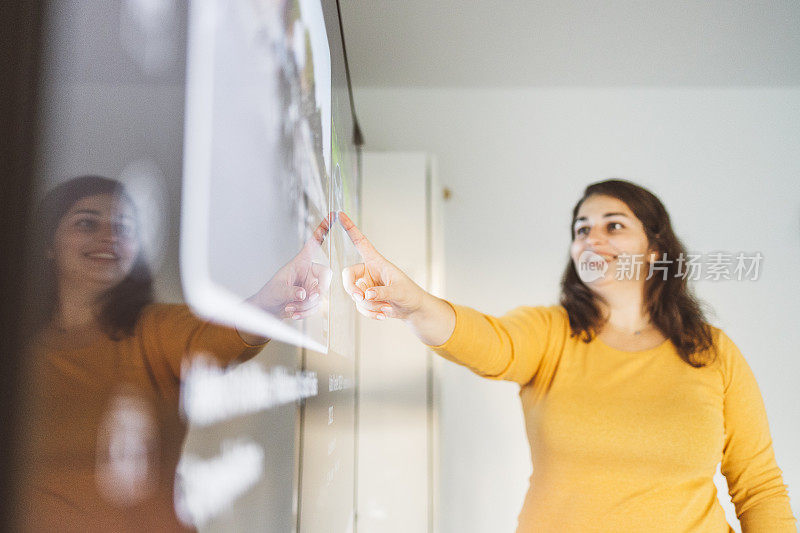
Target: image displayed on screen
268,162
257,167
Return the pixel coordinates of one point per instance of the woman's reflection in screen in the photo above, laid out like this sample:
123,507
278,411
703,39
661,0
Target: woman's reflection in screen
103,431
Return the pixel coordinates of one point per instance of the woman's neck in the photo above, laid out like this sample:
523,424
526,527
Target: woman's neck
77,307
624,310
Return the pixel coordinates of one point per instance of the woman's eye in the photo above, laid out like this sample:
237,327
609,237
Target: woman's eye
86,224
611,226
123,230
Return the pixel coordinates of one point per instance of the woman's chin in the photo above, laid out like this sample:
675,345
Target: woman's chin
602,282
110,274
103,280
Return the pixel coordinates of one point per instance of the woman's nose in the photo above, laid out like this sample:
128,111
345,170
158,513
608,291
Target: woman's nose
595,236
108,233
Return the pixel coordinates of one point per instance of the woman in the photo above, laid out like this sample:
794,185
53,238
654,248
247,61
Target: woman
104,431
630,397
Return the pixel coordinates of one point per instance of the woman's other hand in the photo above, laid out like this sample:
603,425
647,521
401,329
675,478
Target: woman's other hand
381,290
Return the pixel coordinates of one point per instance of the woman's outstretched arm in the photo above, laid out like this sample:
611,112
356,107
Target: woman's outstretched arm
511,347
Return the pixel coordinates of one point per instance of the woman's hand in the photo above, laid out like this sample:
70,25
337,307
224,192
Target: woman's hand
296,289
381,290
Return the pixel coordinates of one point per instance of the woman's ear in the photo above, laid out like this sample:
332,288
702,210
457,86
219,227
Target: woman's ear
653,253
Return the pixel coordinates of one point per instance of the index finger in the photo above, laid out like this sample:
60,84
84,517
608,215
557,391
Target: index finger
361,243
324,227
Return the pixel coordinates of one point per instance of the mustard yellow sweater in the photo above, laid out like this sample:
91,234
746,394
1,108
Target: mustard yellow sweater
83,385
628,441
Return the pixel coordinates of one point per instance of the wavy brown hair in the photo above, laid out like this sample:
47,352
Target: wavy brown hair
670,303
121,305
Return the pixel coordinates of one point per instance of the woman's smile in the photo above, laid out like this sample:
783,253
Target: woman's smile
96,241
606,228
103,256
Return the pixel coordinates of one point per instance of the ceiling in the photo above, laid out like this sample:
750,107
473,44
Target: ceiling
473,43
518,43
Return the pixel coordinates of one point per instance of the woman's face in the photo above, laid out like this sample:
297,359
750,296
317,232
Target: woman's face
605,226
96,242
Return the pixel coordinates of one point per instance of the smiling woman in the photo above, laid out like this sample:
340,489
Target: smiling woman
104,430
96,240
630,397
629,228
89,248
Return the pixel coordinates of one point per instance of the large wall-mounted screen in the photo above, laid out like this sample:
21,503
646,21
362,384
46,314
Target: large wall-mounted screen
212,142
269,160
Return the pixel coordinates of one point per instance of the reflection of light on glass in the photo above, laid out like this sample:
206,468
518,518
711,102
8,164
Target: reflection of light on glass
271,173
206,487
127,451
330,475
337,189
376,510
299,44
148,33
146,184
210,394
314,28
337,382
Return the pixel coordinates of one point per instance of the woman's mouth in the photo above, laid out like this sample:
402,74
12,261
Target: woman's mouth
102,256
606,256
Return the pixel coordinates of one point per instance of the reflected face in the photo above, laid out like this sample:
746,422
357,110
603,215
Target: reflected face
607,227
96,242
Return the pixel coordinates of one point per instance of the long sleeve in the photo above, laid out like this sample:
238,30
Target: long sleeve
754,480
510,347
171,333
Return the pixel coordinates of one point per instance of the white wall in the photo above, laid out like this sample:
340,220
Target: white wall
724,161
392,454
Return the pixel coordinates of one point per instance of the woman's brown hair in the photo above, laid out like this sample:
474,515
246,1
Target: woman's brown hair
122,304
672,306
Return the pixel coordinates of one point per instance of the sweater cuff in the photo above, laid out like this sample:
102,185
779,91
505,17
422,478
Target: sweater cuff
452,335
247,344
462,340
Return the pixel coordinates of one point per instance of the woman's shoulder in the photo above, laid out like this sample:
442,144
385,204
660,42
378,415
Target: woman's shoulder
164,316
554,313
553,310
162,309
551,317
724,352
